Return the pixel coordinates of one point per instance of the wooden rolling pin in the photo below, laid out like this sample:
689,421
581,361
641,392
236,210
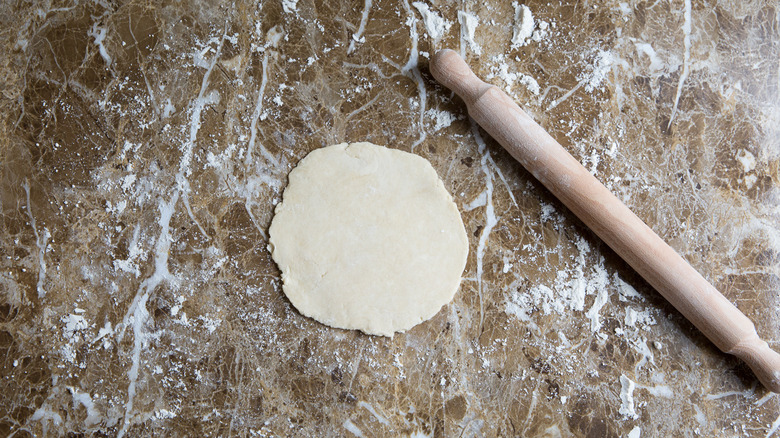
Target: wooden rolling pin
705,307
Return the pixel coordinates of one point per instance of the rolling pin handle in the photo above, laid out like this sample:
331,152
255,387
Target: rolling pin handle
451,70
763,360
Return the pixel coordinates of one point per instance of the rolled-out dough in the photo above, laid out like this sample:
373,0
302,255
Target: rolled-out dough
368,238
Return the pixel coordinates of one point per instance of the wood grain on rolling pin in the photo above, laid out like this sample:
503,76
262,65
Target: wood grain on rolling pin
659,264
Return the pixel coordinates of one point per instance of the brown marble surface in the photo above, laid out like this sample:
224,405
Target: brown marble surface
143,146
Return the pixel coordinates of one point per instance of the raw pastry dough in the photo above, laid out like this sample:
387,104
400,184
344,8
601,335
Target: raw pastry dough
368,238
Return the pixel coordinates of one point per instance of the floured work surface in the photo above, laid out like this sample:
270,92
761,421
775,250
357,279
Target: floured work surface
138,294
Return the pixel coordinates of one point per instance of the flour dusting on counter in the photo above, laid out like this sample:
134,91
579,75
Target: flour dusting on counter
434,23
500,68
524,25
627,398
290,6
468,27
595,74
142,170
526,28
442,119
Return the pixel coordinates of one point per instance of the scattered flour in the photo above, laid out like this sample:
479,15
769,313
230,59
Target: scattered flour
568,292
74,324
469,25
524,25
547,212
527,29
542,29
105,333
507,265
517,306
441,118
162,414
176,308
500,69
434,23
210,324
593,312
750,181
626,291
747,159
627,398
530,83
290,6
596,73
644,318
639,344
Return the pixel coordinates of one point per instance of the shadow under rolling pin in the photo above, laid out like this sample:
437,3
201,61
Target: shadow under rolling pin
665,270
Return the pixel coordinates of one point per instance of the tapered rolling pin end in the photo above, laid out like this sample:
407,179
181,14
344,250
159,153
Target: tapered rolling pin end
764,362
451,70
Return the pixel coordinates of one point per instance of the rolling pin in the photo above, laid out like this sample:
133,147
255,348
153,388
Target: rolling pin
693,296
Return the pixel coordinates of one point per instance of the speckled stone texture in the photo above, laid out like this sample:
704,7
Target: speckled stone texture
144,145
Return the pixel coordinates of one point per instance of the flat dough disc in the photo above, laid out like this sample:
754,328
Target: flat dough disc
368,238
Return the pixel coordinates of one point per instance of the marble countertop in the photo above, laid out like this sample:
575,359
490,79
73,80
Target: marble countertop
143,146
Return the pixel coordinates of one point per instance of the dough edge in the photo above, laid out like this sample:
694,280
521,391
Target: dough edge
372,328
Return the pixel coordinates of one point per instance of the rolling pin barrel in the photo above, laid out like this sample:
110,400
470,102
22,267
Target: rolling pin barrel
664,269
